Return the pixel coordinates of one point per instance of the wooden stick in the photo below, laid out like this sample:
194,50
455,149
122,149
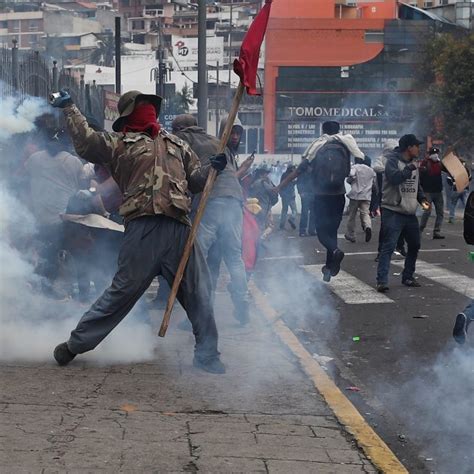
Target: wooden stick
199,213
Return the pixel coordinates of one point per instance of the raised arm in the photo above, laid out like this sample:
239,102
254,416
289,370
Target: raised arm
96,147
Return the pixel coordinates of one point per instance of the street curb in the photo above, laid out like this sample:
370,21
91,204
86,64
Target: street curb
366,438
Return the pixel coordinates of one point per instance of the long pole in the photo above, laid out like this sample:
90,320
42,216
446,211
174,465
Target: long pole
202,65
200,211
118,59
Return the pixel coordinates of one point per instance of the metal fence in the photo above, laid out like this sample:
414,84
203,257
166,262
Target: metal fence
28,73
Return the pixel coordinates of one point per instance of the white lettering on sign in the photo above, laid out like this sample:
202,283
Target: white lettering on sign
337,112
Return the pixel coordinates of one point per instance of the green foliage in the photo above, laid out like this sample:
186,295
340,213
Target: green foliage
448,75
181,102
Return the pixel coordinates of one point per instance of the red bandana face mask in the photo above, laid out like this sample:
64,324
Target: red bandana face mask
143,120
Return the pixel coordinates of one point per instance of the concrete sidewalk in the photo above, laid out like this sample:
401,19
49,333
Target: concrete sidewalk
263,415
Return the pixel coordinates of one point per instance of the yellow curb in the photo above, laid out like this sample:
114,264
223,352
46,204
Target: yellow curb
367,439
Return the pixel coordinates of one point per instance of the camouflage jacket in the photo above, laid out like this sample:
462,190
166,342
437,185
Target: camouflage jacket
154,175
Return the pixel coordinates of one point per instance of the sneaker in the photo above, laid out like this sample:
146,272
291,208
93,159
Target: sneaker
368,234
382,288
291,221
337,257
350,238
460,328
62,354
213,365
411,282
376,259
303,234
438,236
402,251
326,274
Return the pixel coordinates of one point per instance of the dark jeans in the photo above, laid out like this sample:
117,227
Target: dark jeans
328,212
307,223
394,224
152,246
285,204
51,241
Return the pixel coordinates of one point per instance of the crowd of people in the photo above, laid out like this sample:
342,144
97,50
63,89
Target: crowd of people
120,211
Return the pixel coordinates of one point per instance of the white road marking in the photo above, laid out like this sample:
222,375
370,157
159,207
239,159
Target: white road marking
452,280
283,257
349,254
349,288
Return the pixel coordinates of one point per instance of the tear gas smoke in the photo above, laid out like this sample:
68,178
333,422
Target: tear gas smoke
19,117
31,325
438,409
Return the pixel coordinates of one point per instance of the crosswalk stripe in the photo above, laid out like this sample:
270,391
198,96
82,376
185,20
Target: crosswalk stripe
349,288
452,280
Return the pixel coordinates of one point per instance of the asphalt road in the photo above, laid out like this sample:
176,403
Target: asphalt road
394,356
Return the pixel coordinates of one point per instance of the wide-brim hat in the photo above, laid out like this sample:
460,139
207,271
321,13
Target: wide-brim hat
126,104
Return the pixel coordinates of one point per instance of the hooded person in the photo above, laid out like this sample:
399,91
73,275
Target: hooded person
431,181
155,171
220,231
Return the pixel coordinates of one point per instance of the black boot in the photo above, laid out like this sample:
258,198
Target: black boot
62,354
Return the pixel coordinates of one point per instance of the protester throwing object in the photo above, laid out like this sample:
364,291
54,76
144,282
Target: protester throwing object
154,171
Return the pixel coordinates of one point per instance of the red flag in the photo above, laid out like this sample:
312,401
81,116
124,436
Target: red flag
246,66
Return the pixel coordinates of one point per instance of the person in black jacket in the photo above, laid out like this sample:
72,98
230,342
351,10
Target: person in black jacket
432,183
288,200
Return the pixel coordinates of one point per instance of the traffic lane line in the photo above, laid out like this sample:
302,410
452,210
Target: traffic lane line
452,280
352,254
350,289
366,438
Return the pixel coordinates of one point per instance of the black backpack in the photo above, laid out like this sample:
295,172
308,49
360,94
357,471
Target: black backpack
330,167
469,220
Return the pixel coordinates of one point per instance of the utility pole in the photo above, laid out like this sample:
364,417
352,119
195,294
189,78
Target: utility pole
229,45
15,68
160,56
118,59
217,98
202,65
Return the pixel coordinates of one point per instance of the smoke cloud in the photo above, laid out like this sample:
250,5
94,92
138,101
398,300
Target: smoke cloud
19,117
438,409
31,324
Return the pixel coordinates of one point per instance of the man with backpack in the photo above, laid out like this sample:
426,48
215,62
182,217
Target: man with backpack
328,159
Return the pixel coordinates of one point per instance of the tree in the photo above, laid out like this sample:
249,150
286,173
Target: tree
448,71
181,102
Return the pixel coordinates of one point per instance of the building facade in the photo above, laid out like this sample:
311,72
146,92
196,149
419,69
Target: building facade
352,62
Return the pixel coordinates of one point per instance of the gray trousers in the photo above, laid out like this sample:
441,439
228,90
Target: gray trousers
365,221
437,200
152,246
221,225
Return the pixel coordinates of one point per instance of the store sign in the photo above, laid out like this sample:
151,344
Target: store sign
370,118
185,51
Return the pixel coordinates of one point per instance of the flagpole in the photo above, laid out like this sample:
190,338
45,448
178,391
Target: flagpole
199,213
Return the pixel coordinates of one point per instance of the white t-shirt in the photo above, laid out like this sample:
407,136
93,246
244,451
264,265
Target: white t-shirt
53,180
